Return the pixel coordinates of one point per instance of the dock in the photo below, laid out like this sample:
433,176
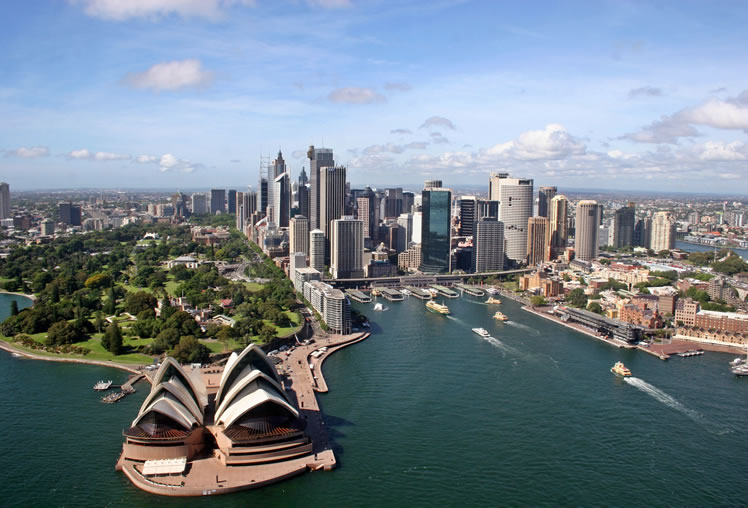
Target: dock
444,291
418,292
358,296
471,290
392,294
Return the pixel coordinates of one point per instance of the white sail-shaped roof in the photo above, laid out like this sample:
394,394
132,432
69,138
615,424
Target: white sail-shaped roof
239,386
170,368
253,398
252,358
168,406
178,391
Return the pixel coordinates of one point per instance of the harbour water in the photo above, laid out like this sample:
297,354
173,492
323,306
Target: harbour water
6,298
697,247
427,413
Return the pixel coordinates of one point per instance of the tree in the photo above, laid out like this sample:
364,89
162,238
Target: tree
14,308
577,298
139,301
596,308
189,350
99,322
267,333
112,339
538,301
110,307
98,280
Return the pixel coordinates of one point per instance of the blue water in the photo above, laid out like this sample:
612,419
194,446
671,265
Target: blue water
695,247
426,413
5,300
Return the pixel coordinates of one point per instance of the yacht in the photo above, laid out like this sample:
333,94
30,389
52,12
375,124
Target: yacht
491,290
437,307
500,317
378,306
493,300
102,386
406,292
620,369
740,370
482,332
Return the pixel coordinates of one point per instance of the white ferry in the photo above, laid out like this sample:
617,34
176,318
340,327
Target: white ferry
482,332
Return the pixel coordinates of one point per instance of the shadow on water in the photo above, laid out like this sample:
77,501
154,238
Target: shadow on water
334,425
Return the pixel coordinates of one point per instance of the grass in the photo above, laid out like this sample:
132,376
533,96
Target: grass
288,330
253,286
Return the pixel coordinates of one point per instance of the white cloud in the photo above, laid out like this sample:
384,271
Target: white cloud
719,151
438,139
119,10
31,152
355,95
401,131
171,76
553,142
398,87
329,4
666,130
85,154
392,148
170,162
147,159
437,121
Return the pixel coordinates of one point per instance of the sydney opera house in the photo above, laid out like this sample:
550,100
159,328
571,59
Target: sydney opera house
198,433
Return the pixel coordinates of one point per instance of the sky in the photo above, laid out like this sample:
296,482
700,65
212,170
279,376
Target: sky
192,93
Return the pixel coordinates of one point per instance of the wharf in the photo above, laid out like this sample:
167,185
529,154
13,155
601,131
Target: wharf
471,290
392,294
444,291
419,293
358,295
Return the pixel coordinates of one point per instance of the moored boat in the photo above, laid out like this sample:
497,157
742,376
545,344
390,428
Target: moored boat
500,317
437,307
102,386
620,369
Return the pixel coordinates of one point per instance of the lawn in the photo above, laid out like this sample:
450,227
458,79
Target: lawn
288,330
253,286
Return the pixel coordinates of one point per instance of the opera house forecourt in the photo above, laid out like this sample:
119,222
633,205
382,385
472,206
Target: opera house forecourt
205,431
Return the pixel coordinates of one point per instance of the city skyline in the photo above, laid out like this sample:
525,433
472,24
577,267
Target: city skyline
193,93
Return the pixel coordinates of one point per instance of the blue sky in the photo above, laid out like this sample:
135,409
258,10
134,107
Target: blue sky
190,93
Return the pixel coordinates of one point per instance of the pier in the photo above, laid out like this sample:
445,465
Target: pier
445,291
358,296
419,293
392,295
471,290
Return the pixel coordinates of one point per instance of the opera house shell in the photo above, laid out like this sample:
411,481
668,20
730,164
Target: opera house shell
248,420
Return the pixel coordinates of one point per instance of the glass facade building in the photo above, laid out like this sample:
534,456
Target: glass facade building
437,231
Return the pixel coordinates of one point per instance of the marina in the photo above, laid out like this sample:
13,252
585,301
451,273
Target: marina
444,291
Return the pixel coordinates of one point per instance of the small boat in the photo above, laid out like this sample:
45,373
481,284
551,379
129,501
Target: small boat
493,300
406,292
620,370
102,386
482,332
740,370
378,306
375,292
491,290
500,317
437,307
695,352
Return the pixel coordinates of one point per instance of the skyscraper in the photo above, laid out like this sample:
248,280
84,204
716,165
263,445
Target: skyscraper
231,201
545,194
663,232
408,199
515,197
432,184
281,200
298,235
331,196
643,232
488,246
199,204
436,236
406,223
347,248
367,212
217,201
302,194
557,226
623,226
4,200
318,158
262,196
303,180
317,250
393,202
537,238
70,214
468,214
587,224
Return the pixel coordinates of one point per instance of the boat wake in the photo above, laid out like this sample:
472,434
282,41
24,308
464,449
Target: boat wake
663,397
533,331
458,320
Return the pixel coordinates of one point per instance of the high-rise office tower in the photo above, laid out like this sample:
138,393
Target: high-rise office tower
623,226
488,246
274,170
643,232
282,200
347,248
217,201
587,225
545,194
278,166
537,238
199,204
408,200
515,197
317,250
298,235
468,214
663,232
432,184
4,200
231,201
436,235
70,214
246,206
303,196
362,212
393,202
487,208
406,223
303,180
557,226
318,158
262,196
331,196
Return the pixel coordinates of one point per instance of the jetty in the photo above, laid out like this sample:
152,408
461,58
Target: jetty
471,290
419,292
358,296
392,294
444,291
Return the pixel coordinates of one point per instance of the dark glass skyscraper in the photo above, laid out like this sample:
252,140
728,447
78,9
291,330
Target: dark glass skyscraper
545,194
436,236
217,201
318,158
